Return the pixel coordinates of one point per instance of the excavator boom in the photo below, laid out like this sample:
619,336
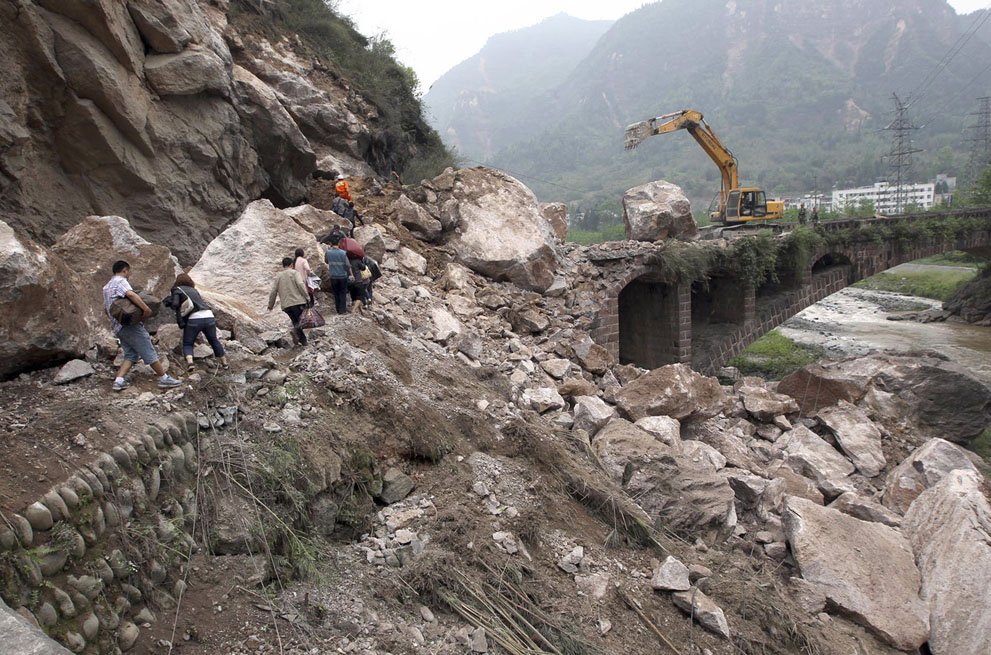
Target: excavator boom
693,122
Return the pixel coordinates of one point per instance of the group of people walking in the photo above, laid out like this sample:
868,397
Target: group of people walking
350,270
351,273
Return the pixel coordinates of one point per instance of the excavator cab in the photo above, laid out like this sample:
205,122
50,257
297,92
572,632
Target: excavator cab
746,205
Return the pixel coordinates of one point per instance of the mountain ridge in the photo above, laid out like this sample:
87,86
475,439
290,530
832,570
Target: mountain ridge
800,92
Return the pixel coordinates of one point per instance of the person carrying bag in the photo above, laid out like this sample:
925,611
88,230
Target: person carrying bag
194,316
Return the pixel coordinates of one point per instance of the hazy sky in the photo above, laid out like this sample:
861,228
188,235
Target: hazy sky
433,36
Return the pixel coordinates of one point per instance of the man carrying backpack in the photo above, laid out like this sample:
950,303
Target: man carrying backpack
345,209
134,338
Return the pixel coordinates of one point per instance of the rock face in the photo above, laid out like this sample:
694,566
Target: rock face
921,470
135,110
244,259
808,454
43,316
21,637
674,390
658,210
949,527
857,435
620,445
867,569
946,397
943,398
501,231
556,215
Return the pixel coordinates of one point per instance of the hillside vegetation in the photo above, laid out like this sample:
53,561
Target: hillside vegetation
799,91
411,145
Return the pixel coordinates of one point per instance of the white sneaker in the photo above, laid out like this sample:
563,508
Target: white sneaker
168,382
120,386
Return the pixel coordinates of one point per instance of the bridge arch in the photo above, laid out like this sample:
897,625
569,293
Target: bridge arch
649,321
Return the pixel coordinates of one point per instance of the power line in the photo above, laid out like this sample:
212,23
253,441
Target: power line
948,100
947,57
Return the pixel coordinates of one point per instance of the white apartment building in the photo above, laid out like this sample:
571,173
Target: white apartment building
884,196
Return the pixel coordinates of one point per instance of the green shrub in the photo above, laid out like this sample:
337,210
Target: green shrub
982,445
774,356
402,136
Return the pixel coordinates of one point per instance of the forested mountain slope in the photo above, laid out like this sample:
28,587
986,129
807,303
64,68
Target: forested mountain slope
800,91
497,97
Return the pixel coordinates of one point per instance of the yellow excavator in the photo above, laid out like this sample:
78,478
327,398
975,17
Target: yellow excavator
736,205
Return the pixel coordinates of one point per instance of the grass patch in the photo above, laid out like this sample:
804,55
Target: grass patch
939,285
954,258
982,445
616,232
774,356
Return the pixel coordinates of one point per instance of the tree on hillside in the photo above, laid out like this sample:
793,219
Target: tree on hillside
980,192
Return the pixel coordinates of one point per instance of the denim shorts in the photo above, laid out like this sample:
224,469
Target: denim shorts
136,343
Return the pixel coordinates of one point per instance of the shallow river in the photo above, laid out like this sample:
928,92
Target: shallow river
854,322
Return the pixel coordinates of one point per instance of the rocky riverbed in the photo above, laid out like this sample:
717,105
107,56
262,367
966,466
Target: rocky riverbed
856,322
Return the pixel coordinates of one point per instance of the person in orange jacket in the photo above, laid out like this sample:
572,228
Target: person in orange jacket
342,188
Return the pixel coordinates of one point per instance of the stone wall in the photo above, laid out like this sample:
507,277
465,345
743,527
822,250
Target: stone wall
100,553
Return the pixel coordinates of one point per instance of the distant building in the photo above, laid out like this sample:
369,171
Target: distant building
885,196
809,200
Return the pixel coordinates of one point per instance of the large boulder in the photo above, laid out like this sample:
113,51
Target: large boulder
416,219
43,316
658,210
947,399
621,445
22,637
674,390
823,385
942,398
764,404
94,244
924,468
242,261
866,569
501,231
556,215
949,527
731,437
807,453
857,436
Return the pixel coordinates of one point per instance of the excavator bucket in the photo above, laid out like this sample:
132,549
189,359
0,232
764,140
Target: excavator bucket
635,134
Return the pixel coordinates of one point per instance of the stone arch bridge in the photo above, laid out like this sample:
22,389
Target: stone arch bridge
645,319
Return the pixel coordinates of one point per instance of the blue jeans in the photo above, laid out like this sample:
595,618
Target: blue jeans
208,326
340,288
136,343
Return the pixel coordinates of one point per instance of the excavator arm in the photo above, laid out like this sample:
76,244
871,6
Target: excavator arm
693,122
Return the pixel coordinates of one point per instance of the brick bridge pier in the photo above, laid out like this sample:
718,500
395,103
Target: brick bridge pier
646,320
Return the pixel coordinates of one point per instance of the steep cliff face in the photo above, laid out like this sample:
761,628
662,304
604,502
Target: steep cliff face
166,112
